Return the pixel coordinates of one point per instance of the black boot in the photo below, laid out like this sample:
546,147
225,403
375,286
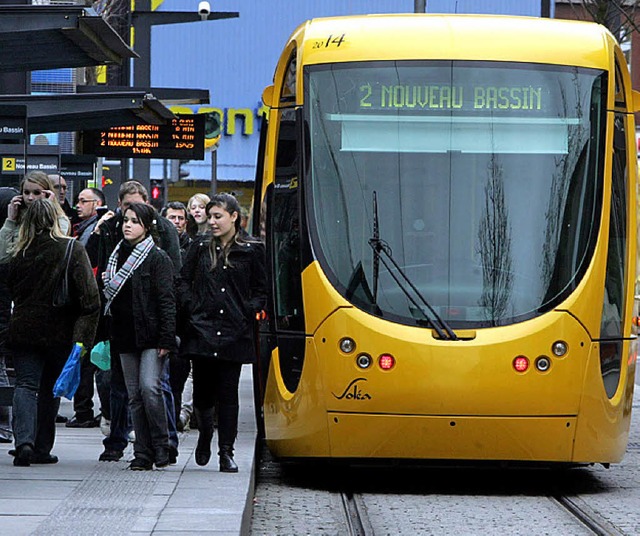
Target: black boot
24,455
205,435
227,464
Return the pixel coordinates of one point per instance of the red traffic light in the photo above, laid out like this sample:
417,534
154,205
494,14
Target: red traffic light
155,192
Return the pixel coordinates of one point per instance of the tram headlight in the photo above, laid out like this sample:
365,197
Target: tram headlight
559,348
521,363
364,361
543,363
386,361
347,345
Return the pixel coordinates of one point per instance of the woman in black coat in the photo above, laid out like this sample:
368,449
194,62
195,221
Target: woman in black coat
139,292
41,335
223,287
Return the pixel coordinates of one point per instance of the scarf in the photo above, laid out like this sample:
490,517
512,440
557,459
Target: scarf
114,280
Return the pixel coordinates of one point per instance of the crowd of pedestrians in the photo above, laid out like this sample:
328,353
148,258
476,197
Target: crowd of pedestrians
173,295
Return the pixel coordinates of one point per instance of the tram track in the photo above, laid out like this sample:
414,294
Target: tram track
362,501
355,516
586,516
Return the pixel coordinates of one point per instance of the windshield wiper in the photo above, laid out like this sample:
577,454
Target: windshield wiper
376,237
381,249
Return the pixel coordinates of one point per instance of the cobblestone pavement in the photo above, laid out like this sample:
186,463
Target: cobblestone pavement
294,500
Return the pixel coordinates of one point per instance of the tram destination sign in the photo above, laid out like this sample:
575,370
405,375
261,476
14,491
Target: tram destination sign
181,139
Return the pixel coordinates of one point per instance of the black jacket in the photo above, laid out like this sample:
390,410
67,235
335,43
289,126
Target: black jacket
100,246
152,304
218,307
35,323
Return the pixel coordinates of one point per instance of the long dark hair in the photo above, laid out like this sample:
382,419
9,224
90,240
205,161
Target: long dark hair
229,203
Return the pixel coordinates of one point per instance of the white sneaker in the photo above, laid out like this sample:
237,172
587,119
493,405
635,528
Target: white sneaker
105,427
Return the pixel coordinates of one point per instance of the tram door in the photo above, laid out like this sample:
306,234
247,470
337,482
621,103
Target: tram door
284,241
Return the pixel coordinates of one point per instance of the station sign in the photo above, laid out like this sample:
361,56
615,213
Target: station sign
181,139
13,124
14,165
13,136
77,168
45,158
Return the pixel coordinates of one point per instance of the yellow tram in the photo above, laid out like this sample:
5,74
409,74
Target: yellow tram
448,204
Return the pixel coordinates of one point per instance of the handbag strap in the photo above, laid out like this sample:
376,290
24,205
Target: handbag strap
67,257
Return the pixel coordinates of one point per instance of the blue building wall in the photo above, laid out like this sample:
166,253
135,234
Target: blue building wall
235,59
528,8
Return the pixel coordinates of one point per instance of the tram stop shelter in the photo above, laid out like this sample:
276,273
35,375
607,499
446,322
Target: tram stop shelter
42,37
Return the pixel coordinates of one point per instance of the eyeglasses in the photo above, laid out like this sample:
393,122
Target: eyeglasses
84,201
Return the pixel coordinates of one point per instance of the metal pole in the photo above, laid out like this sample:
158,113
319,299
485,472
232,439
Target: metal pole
214,171
545,8
419,6
142,78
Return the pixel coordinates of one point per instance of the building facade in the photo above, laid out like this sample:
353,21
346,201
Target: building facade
235,59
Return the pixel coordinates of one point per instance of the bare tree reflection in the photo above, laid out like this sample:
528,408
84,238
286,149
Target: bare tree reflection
554,272
494,237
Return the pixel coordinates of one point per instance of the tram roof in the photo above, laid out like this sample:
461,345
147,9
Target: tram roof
454,37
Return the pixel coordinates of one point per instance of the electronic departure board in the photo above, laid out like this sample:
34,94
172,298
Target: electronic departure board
182,138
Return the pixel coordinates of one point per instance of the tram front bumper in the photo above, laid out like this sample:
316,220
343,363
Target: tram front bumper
547,439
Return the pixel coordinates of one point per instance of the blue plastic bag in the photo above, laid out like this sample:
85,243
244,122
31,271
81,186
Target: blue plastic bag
101,355
69,379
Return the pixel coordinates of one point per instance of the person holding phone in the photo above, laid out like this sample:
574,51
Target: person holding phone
89,201
35,185
41,335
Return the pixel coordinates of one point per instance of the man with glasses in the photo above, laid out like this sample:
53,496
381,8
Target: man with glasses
60,187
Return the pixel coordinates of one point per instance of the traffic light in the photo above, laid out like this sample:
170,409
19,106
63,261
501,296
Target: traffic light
212,129
157,194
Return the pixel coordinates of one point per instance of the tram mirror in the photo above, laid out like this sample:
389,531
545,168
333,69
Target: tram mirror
267,96
636,101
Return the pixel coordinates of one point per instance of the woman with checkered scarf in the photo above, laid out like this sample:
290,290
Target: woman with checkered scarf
140,297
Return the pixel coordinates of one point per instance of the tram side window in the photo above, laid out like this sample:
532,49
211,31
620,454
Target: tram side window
286,228
612,322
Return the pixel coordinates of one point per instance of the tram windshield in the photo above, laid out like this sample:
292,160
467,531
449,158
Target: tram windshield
486,179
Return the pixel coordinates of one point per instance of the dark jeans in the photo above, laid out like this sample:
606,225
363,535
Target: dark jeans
169,404
5,411
217,381
120,419
83,399
179,373
103,385
34,406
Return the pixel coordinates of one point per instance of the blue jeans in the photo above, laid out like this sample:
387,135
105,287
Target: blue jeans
142,375
169,405
34,406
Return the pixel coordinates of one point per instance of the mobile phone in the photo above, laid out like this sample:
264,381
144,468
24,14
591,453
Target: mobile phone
101,211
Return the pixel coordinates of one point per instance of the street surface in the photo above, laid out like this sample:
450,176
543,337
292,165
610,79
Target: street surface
333,500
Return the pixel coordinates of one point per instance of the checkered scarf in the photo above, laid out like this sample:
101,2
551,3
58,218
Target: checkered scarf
114,280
